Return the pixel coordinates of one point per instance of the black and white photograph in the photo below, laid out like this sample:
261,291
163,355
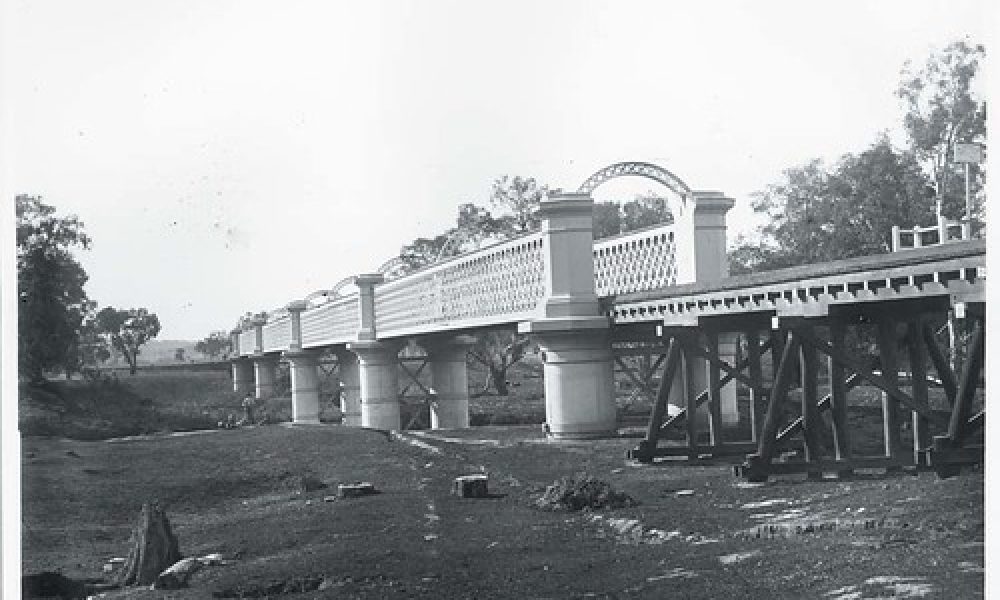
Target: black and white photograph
455,299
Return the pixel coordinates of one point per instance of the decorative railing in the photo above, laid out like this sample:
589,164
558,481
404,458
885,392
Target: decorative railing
635,262
277,334
335,322
951,272
918,237
248,342
500,284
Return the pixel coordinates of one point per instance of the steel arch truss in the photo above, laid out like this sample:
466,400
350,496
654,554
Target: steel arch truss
639,169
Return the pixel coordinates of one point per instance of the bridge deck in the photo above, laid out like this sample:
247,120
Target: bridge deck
954,272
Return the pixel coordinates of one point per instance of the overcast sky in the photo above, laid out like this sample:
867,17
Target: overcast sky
234,156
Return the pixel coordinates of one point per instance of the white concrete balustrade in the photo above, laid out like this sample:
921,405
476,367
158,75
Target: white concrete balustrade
547,284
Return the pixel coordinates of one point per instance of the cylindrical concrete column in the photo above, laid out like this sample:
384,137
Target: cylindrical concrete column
727,395
579,383
378,374
243,379
264,372
578,367
305,386
449,380
350,387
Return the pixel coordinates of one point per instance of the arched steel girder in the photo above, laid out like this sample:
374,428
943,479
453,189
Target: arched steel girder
636,168
392,268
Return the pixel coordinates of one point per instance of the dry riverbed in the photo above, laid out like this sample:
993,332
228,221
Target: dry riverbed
697,532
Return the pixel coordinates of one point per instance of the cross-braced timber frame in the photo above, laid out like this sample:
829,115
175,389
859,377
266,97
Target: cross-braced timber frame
941,441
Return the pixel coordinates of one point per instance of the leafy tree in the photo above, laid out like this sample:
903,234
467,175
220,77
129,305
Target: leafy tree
941,110
817,214
128,330
52,303
218,343
498,351
90,349
519,199
645,210
607,219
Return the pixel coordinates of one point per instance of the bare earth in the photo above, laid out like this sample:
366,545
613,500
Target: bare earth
698,532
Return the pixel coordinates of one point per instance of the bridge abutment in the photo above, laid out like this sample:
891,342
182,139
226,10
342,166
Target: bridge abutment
450,380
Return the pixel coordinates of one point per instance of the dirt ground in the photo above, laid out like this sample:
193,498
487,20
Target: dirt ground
697,532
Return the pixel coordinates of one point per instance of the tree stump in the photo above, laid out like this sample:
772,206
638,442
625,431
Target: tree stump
471,486
153,549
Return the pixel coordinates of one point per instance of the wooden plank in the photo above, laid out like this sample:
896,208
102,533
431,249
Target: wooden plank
940,362
413,377
838,466
967,386
727,449
917,354
779,394
810,391
755,370
689,374
887,345
839,388
641,386
876,380
714,395
660,405
703,396
952,256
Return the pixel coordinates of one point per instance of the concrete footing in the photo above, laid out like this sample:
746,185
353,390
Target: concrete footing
379,383
265,368
305,386
449,380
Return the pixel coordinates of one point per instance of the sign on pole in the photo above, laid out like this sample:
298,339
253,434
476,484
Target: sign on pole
968,153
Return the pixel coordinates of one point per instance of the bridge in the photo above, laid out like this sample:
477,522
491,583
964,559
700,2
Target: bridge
666,292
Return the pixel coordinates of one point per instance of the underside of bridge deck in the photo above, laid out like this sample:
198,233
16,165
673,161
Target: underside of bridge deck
789,409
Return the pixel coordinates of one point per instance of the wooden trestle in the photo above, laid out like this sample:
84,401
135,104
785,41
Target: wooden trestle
902,329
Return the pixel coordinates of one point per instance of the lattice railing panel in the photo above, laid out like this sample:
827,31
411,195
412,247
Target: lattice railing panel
277,334
335,322
499,284
635,262
248,342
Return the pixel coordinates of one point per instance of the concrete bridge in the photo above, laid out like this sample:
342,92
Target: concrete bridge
665,290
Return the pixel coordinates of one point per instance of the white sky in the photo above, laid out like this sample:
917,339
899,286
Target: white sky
234,156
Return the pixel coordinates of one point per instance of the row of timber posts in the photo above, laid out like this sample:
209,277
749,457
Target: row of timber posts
795,347
573,333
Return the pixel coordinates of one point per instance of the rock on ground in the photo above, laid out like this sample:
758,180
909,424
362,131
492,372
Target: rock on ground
582,493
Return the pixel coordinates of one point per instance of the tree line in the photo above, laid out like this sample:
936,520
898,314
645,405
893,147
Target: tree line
59,327
819,212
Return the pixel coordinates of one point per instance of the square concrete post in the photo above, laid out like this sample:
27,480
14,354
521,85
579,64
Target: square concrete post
573,335
449,380
700,255
378,366
304,370
350,387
